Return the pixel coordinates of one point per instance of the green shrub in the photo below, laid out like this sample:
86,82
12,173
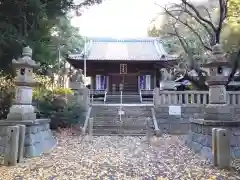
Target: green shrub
7,93
54,104
69,115
50,102
62,91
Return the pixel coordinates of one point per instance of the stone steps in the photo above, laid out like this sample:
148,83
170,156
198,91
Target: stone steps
133,122
102,126
125,99
120,132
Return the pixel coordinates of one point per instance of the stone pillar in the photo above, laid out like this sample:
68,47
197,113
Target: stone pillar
38,137
217,114
158,78
156,97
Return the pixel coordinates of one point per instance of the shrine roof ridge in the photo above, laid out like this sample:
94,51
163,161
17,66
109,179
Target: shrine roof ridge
110,39
138,49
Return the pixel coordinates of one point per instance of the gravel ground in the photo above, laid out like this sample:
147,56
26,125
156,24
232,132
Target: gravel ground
117,158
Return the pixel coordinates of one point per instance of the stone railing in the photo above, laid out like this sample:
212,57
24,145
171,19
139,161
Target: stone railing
190,97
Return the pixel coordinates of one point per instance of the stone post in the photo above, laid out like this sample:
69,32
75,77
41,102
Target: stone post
90,130
148,128
156,97
22,131
221,148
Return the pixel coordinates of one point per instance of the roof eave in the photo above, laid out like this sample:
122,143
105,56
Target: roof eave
157,60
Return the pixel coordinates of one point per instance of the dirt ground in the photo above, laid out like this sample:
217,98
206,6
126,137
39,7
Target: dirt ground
118,158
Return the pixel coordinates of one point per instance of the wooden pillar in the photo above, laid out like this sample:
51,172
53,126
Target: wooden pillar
93,85
158,76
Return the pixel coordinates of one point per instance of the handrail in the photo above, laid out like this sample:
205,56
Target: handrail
120,114
105,96
86,120
156,128
140,94
92,98
121,98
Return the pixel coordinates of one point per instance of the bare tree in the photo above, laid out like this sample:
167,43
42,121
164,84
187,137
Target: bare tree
186,12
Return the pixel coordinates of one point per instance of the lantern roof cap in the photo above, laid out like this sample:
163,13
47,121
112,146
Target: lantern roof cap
217,58
26,59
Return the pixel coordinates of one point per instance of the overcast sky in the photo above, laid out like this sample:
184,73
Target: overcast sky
118,18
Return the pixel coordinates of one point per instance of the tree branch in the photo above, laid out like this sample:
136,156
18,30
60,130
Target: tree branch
191,29
208,13
222,16
234,68
198,14
188,26
210,32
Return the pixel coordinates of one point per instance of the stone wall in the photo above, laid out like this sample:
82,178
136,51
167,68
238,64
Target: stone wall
176,124
38,139
237,112
180,124
35,139
200,140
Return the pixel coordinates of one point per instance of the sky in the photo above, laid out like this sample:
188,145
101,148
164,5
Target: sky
118,18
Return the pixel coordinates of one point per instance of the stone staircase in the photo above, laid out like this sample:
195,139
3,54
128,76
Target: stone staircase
126,99
113,99
147,98
106,120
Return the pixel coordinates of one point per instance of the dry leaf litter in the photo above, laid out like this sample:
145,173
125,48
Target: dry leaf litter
118,158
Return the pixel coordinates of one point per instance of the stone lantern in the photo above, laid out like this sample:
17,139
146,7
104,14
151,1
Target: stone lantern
217,108
37,137
22,108
216,114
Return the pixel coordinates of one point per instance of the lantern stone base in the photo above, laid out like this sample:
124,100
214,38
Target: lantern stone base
21,112
20,116
199,138
220,112
38,136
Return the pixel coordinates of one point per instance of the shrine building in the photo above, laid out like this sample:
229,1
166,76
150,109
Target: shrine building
126,65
